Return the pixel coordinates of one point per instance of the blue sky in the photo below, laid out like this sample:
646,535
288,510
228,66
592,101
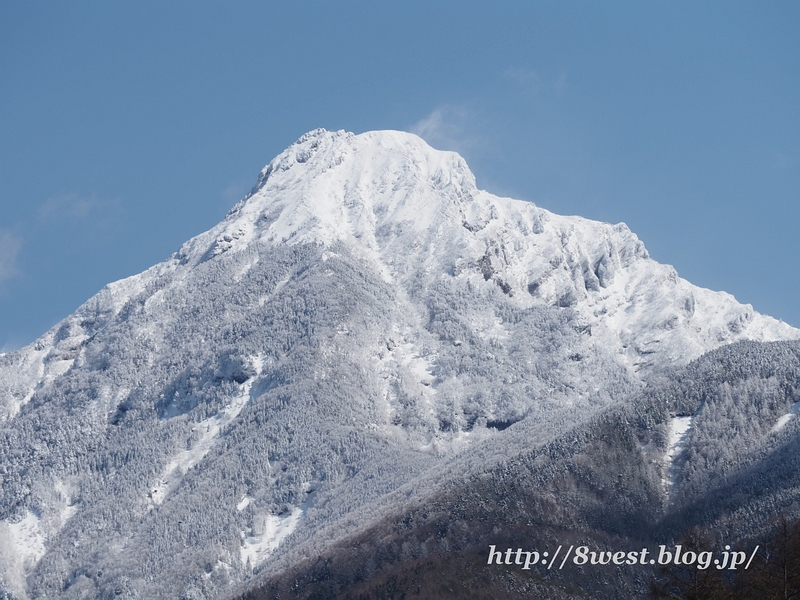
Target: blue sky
128,127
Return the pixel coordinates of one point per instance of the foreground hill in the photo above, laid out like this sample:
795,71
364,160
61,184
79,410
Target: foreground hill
605,484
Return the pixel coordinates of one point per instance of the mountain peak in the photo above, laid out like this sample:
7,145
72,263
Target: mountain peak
340,187
398,153
413,213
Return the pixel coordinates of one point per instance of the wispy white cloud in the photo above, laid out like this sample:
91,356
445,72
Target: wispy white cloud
447,128
530,83
10,244
527,78
782,161
102,218
73,206
236,190
561,84
10,346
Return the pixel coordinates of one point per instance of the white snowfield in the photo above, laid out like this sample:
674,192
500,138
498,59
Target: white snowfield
266,536
782,422
24,542
679,428
27,539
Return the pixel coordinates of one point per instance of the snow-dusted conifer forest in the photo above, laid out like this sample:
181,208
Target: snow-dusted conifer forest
368,340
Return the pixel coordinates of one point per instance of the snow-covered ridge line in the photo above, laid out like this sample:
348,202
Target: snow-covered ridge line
407,209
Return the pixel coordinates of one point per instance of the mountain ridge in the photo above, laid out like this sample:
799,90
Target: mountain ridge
579,273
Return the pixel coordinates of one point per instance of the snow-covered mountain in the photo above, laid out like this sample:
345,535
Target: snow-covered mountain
415,216
365,320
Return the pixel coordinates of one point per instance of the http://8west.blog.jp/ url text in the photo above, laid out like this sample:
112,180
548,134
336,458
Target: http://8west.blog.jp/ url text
583,555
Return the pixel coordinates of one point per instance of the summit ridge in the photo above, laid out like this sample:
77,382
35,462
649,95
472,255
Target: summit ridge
411,211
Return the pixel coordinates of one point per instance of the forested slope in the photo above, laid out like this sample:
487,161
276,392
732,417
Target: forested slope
602,484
